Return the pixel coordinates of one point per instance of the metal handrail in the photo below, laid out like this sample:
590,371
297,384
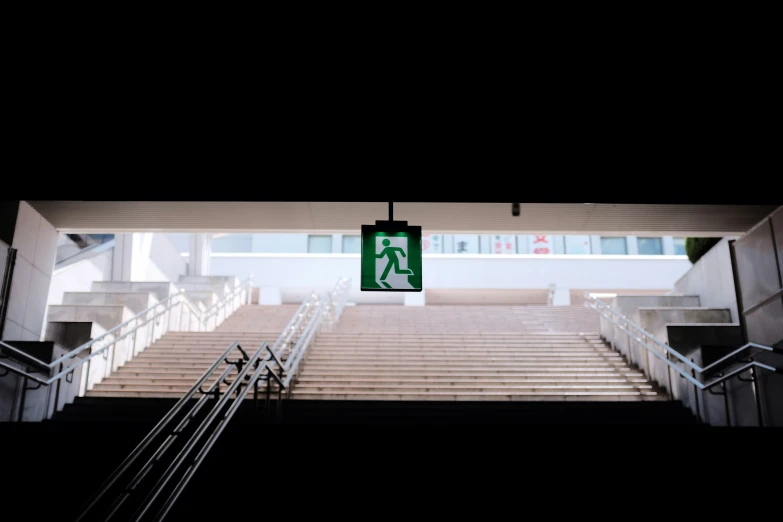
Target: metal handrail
261,367
159,427
76,351
339,294
228,298
662,344
618,319
194,463
307,320
25,358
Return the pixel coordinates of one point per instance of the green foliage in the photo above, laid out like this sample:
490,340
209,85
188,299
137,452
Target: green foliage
696,247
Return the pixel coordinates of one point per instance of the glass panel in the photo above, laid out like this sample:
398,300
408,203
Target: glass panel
577,244
650,246
68,245
679,246
319,244
352,244
466,244
614,246
180,241
503,244
233,243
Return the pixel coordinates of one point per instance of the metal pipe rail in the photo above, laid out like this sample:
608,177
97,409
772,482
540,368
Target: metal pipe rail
157,430
220,305
250,371
623,323
261,366
59,366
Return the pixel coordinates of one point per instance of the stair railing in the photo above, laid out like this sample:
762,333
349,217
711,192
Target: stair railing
227,305
174,313
160,428
252,370
641,337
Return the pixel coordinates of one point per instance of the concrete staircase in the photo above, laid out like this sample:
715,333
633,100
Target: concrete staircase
169,367
701,334
489,353
464,353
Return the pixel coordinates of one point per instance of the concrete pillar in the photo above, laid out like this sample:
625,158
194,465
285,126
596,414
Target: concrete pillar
269,295
448,244
35,241
595,244
414,298
523,246
337,243
668,245
562,297
485,244
633,245
200,251
558,244
122,258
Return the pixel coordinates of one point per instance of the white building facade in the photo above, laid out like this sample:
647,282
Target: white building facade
458,268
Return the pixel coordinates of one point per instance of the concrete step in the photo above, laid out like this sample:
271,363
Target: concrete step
483,396
497,336
461,364
193,373
471,374
423,354
221,289
139,362
432,396
302,381
161,290
482,388
446,359
106,316
247,345
412,345
137,302
208,298
177,380
360,356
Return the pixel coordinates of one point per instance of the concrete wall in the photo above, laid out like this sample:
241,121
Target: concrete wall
39,403
3,256
36,242
146,257
165,262
79,277
712,279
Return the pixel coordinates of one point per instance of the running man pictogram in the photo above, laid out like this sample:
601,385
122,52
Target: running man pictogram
394,261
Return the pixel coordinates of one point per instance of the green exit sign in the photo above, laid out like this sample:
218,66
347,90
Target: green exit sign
391,257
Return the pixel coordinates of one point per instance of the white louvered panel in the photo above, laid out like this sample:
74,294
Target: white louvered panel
556,218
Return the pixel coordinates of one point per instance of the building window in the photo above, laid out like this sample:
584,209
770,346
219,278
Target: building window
614,246
352,244
319,244
577,244
679,246
650,246
466,244
232,243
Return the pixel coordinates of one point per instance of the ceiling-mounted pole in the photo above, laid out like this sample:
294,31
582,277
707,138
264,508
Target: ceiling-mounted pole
391,211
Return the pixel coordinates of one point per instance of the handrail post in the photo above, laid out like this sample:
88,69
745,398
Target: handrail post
725,401
696,395
754,375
